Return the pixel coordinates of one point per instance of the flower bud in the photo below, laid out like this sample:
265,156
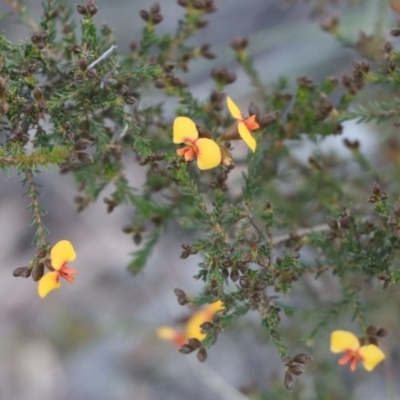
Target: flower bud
38,271
202,355
302,358
186,349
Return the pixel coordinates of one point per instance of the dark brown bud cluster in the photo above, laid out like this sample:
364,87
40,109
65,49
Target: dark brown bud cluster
193,345
294,367
89,10
205,52
223,76
377,194
338,227
136,230
36,266
208,6
82,202
239,44
372,335
153,161
78,153
40,39
153,16
220,181
111,204
355,83
181,296
187,250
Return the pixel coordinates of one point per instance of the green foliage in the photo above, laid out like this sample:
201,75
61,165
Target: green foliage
260,233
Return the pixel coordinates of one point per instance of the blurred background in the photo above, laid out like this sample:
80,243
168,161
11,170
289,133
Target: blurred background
96,339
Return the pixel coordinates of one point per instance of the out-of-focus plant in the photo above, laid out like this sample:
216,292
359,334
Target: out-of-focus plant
67,100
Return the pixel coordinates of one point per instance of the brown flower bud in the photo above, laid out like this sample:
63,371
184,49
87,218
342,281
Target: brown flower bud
38,271
41,253
288,381
183,301
91,73
159,84
37,93
186,349
296,369
157,18
179,292
144,15
372,330
257,297
206,326
81,9
376,189
302,358
83,63
239,44
91,8
23,272
127,229
382,332
82,144
244,282
202,355
84,157
43,36
195,343
183,3
234,275
130,100
262,260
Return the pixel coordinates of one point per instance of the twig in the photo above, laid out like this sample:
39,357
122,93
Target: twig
35,208
105,55
301,232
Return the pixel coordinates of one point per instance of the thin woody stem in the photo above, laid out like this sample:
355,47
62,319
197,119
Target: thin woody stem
301,232
34,206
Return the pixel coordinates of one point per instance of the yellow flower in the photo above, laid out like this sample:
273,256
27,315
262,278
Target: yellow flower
343,341
206,151
192,329
61,253
245,125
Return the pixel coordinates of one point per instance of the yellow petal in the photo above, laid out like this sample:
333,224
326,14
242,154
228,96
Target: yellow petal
193,329
61,253
372,356
343,340
233,108
184,130
208,153
47,283
216,306
166,333
246,136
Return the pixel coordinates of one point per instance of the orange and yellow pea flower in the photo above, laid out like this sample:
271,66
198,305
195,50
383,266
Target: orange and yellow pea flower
60,254
192,329
245,125
369,355
206,151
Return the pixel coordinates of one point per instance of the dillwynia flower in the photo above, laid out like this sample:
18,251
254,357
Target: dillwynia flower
343,341
192,329
61,254
206,151
245,125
